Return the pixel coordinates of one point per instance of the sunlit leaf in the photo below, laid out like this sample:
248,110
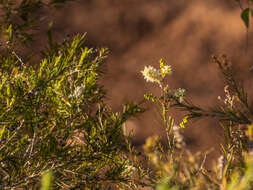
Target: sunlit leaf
46,182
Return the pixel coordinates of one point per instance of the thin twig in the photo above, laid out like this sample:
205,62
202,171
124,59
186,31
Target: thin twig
20,60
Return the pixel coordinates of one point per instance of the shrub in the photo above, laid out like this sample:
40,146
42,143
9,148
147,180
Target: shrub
53,117
57,132
175,166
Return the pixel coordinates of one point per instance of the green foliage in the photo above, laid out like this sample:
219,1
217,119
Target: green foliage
53,117
46,181
19,19
56,132
176,167
245,15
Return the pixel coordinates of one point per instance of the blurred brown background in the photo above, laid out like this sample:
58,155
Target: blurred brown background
184,33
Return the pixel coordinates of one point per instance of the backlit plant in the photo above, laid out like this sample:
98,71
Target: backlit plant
176,167
56,132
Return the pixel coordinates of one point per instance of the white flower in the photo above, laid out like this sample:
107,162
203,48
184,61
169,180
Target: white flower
180,93
78,92
178,137
166,70
151,74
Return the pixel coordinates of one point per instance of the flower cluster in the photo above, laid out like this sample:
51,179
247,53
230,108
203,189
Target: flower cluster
152,74
180,93
178,137
164,69
229,100
77,92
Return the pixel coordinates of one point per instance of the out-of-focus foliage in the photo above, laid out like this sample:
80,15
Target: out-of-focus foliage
47,180
246,11
19,19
